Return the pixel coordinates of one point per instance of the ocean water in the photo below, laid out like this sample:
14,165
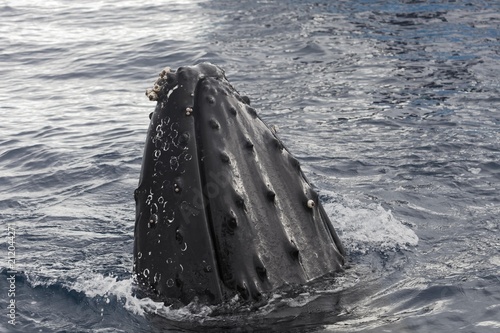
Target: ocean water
392,107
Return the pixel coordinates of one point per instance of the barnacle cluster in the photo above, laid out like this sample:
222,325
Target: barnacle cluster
154,93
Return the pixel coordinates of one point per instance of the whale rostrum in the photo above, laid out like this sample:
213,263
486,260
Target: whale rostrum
222,207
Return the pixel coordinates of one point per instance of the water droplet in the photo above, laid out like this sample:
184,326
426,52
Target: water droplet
170,283
174,163
159,167
154,208
310,203
149,199
170,216
139,255
153,219
145,272
159,134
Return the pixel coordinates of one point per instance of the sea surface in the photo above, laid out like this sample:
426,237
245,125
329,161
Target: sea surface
392,108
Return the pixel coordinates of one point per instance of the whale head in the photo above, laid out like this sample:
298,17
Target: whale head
222,207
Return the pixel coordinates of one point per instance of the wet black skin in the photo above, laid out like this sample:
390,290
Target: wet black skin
222,207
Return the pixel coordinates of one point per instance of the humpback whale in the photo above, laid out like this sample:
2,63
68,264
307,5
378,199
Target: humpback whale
222,207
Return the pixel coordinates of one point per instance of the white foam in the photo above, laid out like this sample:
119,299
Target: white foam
301,300
97,285
362,228
474,171
367,226
489,323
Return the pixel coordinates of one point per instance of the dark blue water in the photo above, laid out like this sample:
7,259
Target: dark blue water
392,107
